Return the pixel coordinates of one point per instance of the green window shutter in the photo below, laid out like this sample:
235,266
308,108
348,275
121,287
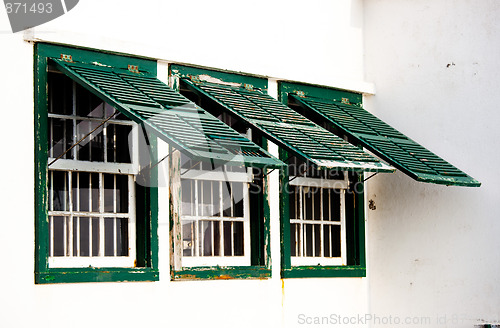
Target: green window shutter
172,117
386,142
287,128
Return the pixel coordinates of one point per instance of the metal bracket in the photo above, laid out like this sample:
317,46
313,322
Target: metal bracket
161,160
182,173
67,58
194,78
133,68
303,171
371,176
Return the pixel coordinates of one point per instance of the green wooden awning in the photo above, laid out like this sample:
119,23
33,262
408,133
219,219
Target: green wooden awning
285,127
173,118
384,141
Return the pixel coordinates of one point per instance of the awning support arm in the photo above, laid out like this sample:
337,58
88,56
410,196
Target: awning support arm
286,160
371,176
191,168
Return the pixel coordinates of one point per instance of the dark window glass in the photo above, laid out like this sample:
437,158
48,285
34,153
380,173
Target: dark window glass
205,190
60,94
59,185
58,236
84,191
187,189
293,202
88,104
109,192
316,197
309,239
122,237
215,198
326,204
95,237
326,241
335,241
335,205
238,199
94,179
238,238
109,236
293,239
75,234
84,236
205,228
60,137
216,226
91,148
228,251
74,190
308,203
121,193
118,143
227,199
317,240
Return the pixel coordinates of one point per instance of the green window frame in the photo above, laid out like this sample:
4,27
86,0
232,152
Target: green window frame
195,79
260,251
146,237
354,213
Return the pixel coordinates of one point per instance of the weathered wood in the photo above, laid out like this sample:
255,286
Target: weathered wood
175,210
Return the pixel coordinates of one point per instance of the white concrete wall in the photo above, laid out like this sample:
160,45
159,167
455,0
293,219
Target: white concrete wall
434,249
314,42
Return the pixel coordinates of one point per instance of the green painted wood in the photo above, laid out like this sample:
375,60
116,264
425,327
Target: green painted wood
355,234
285,127
324,272
385,141
147,198
172,117
69,275
318,91
182,71
222,273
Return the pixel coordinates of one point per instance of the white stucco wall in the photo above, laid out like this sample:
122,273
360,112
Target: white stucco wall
286,39
434,249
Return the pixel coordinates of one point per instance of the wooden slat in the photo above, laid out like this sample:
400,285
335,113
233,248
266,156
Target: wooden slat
172,117
289,129
386,142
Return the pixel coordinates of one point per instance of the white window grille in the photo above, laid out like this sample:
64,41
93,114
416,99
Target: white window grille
215,217
317,221
91,189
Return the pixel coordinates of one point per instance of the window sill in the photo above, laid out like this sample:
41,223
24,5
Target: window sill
324,271
75,275
224,273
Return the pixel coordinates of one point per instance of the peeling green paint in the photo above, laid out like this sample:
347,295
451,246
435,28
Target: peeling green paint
260,220
147,198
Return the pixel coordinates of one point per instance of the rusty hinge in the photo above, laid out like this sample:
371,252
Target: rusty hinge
249,87
133,68
301,94
194,78
346,101
67,58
